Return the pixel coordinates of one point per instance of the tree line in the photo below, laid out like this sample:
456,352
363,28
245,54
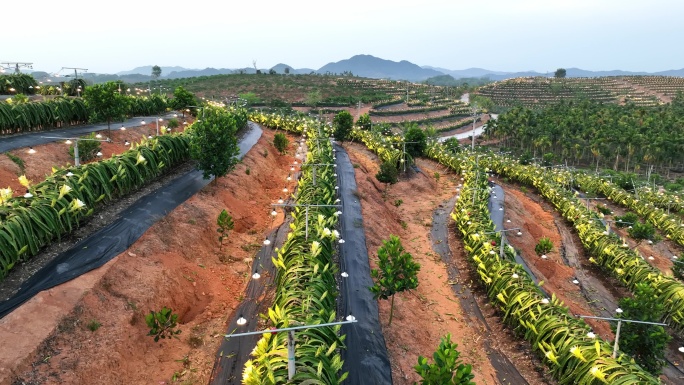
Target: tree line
620,137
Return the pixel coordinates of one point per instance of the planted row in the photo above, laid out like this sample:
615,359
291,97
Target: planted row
606,250
62,111
306,288
574,356
646,207
53,207
36,116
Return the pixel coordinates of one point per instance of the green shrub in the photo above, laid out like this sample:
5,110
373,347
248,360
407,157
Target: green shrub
544,246
280,142
398,202
643,230
603,209
416,141
645,343
343,123
626,220
396,272
173,123
93,325
87,149
388,173
364,122
447,368
673,187
162,324
225,224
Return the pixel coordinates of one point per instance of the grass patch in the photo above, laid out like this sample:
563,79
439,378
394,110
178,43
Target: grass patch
93,325
18,161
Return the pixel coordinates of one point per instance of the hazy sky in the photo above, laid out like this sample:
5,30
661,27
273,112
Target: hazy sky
501,35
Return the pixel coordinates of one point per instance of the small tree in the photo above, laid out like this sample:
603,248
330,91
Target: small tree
388,173
213,141
364,122
645,343
416,140
626,220
343,123
544,246
87,149
182,99
105,102
396,272
225,224
280,142
156,72
250,98
560,73
452,145
162,324
447,369
313,98
548,159
173,123
678,269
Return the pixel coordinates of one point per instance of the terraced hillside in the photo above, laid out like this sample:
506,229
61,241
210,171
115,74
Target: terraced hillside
537,92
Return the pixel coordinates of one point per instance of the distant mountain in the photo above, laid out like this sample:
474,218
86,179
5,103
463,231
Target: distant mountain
449,81
372,67
467,73
194,73
576,72
147,70
679,72
366,66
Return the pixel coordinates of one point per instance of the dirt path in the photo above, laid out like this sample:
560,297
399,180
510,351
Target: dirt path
433,309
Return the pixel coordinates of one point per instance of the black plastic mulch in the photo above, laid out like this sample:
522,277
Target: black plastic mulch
234,352
103,245
37,137
365,357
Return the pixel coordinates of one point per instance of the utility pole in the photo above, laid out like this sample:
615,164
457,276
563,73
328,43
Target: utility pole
16,65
